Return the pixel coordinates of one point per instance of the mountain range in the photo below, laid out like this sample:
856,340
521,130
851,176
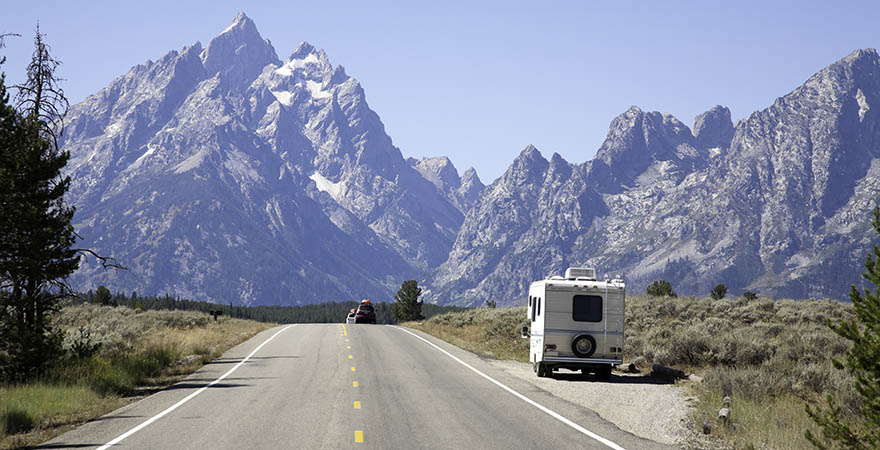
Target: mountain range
227,174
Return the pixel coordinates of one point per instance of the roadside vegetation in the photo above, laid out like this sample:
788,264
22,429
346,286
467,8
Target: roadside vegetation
770,357
327,312
486,331
114,355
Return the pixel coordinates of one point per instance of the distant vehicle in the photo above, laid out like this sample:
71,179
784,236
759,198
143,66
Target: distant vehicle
365,312
576,323
350,317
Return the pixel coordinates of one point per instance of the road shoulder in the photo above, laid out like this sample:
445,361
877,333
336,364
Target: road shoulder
578,399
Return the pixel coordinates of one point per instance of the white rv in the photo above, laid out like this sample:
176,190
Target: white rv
576,323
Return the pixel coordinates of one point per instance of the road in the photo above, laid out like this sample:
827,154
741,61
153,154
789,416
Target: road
333,386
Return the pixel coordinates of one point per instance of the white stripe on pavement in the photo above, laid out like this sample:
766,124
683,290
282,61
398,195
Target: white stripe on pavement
549,411
188,397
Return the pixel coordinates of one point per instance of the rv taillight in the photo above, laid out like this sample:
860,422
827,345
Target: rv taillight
550,347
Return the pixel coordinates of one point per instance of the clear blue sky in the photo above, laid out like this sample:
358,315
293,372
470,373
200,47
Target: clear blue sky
478,81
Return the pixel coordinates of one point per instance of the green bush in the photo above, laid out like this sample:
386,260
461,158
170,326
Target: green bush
718,292
660,288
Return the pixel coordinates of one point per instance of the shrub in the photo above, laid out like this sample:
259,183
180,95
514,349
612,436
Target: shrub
718,292
749,295
82,346
660,288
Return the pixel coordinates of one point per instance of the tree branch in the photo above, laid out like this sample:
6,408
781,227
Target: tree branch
107,262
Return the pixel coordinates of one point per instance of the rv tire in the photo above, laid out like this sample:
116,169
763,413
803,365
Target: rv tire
580,350
542,370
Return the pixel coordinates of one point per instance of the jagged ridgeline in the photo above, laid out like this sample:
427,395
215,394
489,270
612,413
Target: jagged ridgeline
225,173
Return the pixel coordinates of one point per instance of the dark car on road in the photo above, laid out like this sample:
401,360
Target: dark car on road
365,313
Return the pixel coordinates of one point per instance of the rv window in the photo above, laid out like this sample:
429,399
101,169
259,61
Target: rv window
539,306
534,306
586,308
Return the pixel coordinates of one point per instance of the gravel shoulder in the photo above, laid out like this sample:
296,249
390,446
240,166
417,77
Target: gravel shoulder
645,407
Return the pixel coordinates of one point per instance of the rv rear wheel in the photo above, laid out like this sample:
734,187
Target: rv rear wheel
584,346
541,370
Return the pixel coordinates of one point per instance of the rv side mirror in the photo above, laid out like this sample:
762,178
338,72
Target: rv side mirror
525,332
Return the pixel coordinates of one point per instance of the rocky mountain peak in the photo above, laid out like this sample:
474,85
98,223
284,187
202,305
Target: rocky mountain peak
238,53
530,158
528,167
471,185
439,170
304,49
862,54
559,167
471,188
860,70
241,24
470,176
529,153
713,128
636,140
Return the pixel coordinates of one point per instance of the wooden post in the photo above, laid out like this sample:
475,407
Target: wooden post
724,412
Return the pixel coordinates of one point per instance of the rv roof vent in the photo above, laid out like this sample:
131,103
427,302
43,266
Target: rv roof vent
556,277
580,273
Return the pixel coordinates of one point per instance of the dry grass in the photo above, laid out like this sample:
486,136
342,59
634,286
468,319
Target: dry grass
138,349
771,357
485,331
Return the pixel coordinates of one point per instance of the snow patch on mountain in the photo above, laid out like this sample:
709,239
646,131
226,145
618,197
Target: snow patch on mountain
283,97
317,90
295,64
137,163
325,185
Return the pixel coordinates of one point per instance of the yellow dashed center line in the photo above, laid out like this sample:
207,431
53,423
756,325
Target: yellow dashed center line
358,434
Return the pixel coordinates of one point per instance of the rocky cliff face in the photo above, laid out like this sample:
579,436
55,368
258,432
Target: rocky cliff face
227,174
224,173
460,191
778,204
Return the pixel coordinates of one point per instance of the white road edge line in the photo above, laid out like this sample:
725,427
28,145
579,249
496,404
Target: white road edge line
549,411
190,396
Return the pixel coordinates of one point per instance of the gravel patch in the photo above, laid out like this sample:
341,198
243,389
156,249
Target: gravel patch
634,403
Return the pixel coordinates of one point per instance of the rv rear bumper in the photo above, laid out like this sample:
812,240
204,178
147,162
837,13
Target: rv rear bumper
585,361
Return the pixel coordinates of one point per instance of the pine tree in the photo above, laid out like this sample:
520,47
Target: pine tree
660,288
718,292
407,305
103,296
859,431
36,235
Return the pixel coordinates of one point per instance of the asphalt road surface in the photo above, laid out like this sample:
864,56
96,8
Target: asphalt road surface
333,386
